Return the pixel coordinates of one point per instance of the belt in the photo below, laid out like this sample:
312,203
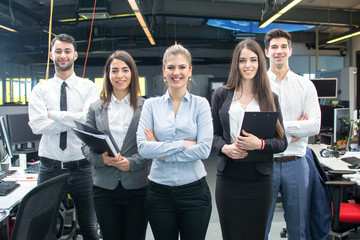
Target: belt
64,165
199,182
285,159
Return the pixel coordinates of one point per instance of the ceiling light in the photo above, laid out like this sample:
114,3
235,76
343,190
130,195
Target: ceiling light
286,6
81,18
86,8
343,37
141,20
7,28
97,15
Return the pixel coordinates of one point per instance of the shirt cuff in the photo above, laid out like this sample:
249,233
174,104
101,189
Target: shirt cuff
177,145
55,115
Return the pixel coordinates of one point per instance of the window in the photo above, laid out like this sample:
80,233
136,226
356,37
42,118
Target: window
99,82
142,86
18,90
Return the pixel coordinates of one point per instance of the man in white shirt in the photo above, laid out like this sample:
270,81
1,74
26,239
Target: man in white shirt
53,107
301,113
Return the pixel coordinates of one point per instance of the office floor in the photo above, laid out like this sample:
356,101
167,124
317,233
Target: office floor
214,231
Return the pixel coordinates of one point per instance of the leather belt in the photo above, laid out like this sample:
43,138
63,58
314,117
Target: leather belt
63,165
285,159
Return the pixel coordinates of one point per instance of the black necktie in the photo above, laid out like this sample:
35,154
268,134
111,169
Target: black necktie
63,107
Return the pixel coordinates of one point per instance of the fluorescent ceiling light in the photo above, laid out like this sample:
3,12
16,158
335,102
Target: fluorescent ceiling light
141,20
81,18
348,35
284,8
97,15
7,28
48,33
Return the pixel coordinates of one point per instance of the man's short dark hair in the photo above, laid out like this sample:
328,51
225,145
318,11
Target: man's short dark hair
64,38
276,33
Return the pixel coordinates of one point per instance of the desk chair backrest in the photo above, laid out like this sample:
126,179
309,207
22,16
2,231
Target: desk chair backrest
346,216
38,211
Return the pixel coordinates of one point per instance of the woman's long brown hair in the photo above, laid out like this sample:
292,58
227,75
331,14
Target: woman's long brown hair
134,87
261,86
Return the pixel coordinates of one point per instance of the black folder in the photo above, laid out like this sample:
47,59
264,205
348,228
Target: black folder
95,139
262,125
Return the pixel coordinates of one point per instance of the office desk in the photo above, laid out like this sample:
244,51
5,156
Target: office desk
9,202
334,163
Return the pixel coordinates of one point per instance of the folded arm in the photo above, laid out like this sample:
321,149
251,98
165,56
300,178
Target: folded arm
202,148
67,118
154,149
309,123
38,118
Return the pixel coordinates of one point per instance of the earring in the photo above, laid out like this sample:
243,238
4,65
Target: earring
189,79
164,79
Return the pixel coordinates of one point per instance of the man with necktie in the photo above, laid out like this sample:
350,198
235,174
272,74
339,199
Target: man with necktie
53,107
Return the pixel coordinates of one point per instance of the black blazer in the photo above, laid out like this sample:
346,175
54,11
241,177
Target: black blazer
220,113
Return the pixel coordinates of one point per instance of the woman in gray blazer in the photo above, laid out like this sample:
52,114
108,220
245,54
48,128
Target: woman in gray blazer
119,182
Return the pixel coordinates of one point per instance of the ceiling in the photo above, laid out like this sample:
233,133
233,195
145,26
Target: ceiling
183,21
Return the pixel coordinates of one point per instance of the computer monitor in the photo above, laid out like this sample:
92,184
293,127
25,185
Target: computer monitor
5,139
20,133
327,117
341,128
326,87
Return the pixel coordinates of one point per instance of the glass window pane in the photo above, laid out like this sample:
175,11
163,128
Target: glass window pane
142,86
16,90
99,82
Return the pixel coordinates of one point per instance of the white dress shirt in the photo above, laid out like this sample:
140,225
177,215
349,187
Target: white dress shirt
120,114
237,113
45,96
297,96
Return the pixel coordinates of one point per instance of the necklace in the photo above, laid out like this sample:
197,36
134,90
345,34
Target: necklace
243,106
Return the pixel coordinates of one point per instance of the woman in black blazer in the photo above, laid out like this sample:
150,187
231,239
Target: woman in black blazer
244,186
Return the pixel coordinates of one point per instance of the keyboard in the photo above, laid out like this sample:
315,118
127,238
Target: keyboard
35,168
354,161
7,187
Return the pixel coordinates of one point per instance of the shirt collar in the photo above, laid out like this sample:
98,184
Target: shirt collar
70,81
273,77
124,100
187,95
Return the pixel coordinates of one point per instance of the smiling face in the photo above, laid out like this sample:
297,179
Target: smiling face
279,52
63,55
120,77
248,64
177,71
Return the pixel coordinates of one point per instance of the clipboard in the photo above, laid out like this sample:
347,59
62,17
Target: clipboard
262,125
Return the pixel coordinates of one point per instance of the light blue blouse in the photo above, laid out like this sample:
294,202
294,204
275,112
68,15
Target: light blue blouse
193,121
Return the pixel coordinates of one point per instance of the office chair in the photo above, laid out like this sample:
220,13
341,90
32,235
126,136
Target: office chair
67,208
38,211
346,216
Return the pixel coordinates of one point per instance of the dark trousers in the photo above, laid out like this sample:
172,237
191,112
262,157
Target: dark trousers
121,213
184,209
80,189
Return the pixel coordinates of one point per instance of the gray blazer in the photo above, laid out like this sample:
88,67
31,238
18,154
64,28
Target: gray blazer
106,176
